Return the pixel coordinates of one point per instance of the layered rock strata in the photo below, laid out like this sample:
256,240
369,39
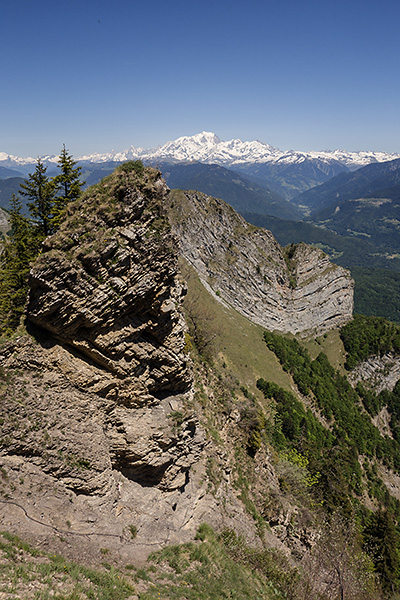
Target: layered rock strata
106,290
290,290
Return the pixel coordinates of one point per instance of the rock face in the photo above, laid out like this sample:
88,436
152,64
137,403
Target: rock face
107,285
377,372
294,290
107,289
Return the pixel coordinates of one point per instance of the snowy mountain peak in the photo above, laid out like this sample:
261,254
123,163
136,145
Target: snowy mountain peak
207,147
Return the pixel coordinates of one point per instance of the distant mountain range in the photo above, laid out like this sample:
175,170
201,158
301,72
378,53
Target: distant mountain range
286,172
206,147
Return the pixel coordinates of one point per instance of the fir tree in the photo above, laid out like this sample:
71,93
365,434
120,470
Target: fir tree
40,190
68,185
20,248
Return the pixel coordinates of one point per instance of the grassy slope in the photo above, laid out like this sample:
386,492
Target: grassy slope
203,570
238,344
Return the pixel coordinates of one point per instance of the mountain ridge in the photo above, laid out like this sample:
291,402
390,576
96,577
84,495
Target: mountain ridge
208,147
120,436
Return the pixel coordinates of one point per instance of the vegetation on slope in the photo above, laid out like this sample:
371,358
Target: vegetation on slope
336,434
28,573
327,453
365,336
377,292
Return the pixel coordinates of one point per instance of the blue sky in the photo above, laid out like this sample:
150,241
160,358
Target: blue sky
96,75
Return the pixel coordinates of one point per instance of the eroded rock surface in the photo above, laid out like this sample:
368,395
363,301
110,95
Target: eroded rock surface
294,290
107,286
377,372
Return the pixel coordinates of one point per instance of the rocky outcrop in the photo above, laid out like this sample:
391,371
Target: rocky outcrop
377,372
295,289
107,286
105,302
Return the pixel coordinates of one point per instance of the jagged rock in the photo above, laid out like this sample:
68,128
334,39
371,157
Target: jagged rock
111,288
294,290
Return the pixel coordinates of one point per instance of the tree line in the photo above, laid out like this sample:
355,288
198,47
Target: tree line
47,198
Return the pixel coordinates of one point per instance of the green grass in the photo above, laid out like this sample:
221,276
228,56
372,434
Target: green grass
31,574
330,344
213,568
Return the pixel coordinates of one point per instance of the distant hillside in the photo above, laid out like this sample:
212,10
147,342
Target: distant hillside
368,182
241,193
291,178
93,172
377,292
8,187
5,173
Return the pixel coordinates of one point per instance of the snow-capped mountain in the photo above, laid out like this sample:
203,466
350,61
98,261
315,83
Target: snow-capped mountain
207,147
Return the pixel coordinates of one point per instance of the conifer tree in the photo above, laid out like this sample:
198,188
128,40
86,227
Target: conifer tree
19,249
40,189
68,185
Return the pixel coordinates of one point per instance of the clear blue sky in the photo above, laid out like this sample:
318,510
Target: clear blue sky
96,75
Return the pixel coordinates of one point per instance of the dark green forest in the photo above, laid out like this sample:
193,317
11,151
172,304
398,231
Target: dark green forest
333,430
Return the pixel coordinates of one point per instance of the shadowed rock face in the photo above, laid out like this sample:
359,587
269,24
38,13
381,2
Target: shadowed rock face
291,290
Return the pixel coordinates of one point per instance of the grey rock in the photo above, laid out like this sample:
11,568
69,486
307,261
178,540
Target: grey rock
295,290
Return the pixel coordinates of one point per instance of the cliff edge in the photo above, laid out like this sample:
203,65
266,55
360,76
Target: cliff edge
291,290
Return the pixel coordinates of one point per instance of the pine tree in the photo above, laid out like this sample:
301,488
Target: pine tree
40,189
20,248
68,184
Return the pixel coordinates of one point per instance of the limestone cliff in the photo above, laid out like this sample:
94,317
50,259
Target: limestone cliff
92,405
294,290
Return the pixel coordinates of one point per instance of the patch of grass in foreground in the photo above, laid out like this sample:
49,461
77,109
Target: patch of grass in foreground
30,574
214,568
